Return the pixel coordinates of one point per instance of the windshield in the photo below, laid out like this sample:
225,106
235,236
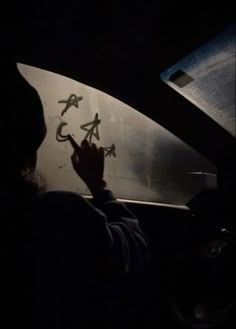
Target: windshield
144,161
207,78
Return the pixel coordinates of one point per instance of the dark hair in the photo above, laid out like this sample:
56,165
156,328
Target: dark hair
22,125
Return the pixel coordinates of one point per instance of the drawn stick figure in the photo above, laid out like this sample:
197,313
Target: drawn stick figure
110,151
73,100
93,130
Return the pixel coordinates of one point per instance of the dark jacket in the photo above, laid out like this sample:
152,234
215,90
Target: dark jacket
68,262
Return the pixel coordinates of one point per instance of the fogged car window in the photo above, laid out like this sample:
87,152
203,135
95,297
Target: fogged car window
144,161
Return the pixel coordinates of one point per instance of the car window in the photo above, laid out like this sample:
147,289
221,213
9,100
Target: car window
207,78
144,161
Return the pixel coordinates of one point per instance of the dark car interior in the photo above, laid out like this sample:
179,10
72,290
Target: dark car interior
121,48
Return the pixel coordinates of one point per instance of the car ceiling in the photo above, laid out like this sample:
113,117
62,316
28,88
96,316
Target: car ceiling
121,47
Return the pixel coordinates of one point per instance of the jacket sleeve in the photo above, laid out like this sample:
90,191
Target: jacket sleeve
102,229
129,245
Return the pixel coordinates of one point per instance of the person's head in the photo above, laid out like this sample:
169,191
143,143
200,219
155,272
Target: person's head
22,127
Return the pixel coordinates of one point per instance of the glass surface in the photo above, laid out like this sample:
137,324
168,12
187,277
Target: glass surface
207,78
144,161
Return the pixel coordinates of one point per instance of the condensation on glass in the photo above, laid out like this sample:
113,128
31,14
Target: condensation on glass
144,161
206,78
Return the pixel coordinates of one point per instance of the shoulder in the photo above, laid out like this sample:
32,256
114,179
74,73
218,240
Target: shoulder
59,203
61,198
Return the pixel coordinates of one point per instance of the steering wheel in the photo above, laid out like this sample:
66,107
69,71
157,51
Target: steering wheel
203,295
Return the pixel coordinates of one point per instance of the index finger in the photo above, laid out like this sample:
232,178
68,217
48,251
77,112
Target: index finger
73,143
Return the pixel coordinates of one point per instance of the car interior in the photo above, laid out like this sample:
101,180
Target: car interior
154,84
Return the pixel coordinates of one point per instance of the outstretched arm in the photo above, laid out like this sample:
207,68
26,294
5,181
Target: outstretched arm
128,242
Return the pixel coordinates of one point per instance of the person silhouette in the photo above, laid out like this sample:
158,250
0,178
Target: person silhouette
65,260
